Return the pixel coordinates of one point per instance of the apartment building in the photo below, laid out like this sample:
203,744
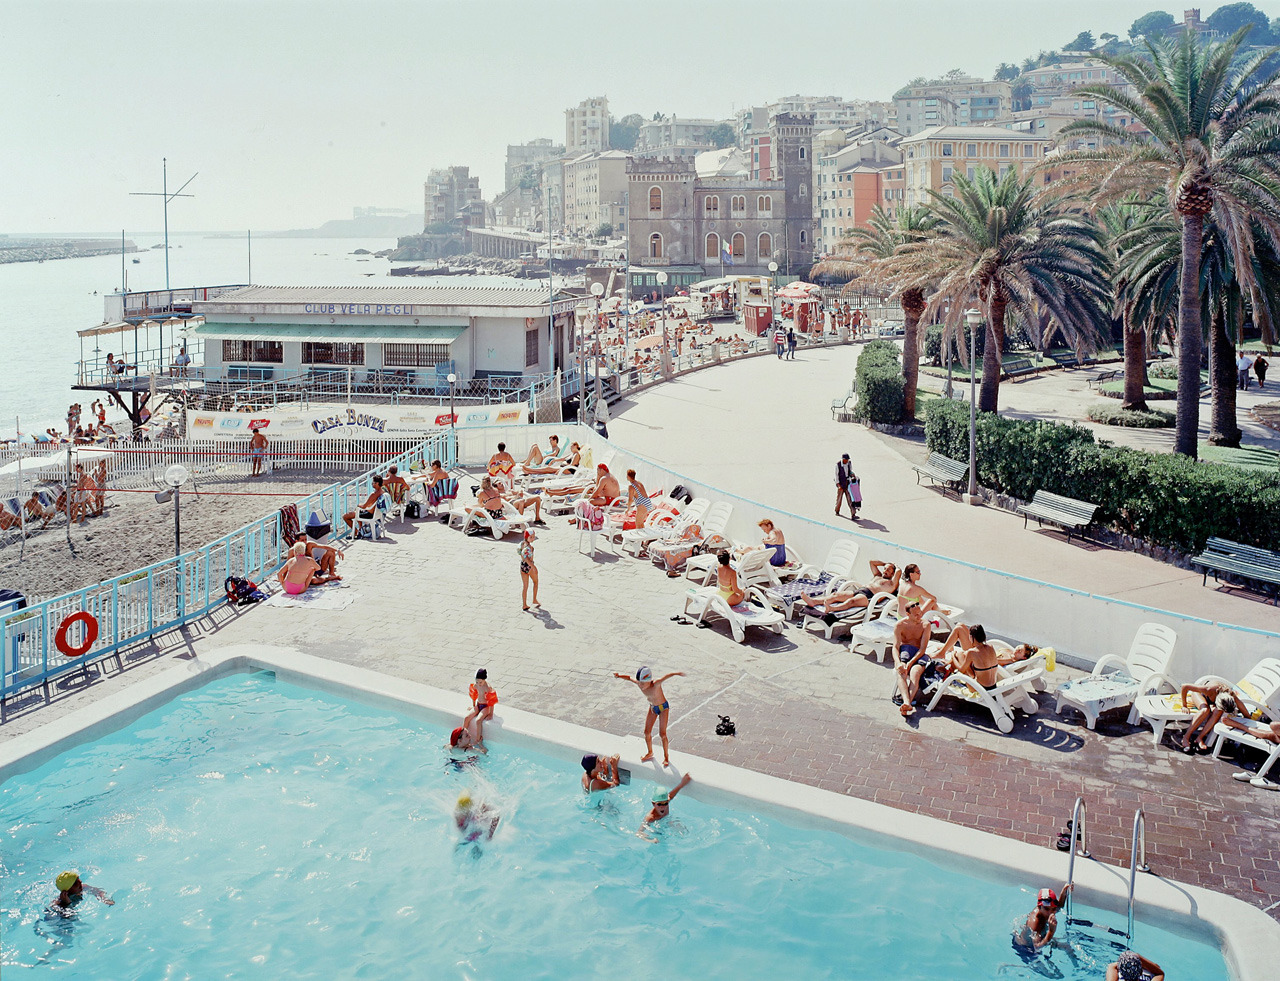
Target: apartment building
1053,82
524,160
852,177
672,136
932,158
594,191
959,101
448,192
586,126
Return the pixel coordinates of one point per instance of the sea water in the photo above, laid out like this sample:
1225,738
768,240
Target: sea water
42,305
254,829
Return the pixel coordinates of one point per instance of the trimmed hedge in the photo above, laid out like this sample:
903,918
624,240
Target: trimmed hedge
879,384
1166,499
1113,415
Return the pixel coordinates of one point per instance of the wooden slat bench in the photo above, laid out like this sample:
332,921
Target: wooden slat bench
1111,374
1255,568
943,470
1019,367
1067,512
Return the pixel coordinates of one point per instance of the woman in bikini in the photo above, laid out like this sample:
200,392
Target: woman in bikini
1210,702
727,582
489,499
636,495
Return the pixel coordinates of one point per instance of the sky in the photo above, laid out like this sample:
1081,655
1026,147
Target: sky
292,112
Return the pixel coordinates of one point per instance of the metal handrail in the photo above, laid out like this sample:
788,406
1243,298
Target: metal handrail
1138,846
1080,833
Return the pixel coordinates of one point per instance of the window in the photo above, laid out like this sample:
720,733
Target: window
738,204
264,352
1004,149
804,190
971,149
946,174
655,199
764,246
764,205
422,355
712,205
946,149
531,347
1029,149
802,153
738,248
969,173
655,246
317,352
804,238
712,250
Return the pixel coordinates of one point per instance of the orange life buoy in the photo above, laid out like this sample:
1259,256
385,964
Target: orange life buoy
90,634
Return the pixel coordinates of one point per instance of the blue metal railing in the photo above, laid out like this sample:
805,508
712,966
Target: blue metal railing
136,606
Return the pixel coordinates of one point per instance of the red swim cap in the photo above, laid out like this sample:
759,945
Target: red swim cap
455,736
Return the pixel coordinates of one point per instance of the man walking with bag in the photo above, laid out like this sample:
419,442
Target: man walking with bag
846,484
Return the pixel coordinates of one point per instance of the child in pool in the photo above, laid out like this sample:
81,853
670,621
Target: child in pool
659,709
483,699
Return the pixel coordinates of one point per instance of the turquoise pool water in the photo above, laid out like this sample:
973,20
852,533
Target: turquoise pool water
255,829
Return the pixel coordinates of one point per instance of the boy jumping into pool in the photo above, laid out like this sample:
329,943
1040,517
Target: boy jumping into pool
659,709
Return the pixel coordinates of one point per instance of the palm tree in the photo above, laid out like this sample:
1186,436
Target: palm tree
1214,121
1002,245
864,253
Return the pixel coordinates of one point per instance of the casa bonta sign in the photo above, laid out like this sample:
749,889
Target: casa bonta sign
342,421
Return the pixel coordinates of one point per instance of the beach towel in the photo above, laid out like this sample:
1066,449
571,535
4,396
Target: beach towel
316,598
289,523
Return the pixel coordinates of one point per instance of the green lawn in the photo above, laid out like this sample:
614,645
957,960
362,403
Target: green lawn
1247,457
1158,385
961,371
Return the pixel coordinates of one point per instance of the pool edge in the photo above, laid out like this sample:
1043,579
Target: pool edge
1248,937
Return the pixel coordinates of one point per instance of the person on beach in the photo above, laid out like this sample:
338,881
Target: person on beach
966,651
535,457
299,572
1210,702
909,588
366,509
395,485
1260,366
727,581
257,451
1131,966
659,709
483,700
326,557
661,801
571,459
71,890
502,466
528,570
600,772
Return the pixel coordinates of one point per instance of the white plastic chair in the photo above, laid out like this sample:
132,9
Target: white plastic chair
1116,682
874,635
511,520
583,521
376,521
1260,692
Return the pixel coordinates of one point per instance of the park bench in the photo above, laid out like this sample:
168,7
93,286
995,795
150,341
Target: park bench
943,470
1110,374
1019,367
1247,566
842,408
1070,514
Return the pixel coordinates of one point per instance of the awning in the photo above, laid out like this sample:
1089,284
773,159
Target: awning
119,327
331,333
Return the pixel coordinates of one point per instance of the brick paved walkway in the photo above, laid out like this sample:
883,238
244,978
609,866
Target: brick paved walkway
432,605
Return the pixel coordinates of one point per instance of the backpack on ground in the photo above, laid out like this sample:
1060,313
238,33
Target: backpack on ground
242,592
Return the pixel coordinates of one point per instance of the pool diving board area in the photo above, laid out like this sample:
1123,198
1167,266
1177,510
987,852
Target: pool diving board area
303,778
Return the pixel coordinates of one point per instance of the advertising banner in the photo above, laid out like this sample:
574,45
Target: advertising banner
342,421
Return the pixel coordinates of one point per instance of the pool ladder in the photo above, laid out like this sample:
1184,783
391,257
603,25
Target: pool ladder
1137,857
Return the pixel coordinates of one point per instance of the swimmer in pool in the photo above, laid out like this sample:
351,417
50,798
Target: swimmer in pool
71,890
1041,922
475,819
601,772
662,802
1134,967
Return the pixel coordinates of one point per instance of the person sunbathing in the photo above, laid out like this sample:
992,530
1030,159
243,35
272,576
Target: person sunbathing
1210,702
8,519
366,509
535,458
572,460
35,510
326,557
522,502
299,572
1020,653
674,554
973,656
913,589
502,465
727,582
489,499
884,579
910,642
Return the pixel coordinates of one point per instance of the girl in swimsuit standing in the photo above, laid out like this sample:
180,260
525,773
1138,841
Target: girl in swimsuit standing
528,571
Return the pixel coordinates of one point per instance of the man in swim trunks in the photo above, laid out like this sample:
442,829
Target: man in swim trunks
1041,922
662,802
659,709
299,572
71,890
601,772
607,490
536,459
366,509
257,451
910,639
1131,966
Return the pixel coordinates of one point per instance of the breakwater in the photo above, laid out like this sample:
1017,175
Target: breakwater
38,250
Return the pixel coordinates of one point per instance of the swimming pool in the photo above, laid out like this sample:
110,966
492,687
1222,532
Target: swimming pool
253,827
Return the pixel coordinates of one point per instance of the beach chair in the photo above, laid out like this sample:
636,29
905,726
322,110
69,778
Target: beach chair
441,496
1012,690
399,494
376,522
1116,682
566,476
873,634
836,569
668,524
511,520
588,519
1265,680
756,565
701,600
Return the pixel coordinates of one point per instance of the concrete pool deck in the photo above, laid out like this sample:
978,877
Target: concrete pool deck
429,605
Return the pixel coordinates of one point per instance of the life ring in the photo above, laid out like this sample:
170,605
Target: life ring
90,634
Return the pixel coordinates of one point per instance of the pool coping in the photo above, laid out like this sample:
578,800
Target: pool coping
1247,937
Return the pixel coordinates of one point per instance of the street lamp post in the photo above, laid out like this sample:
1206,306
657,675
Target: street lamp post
974,317
773,289
597,290
666,349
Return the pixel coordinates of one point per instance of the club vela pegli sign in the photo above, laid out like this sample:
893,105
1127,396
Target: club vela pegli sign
341,421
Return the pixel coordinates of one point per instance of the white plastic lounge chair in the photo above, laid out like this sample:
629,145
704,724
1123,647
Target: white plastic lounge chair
566,476
1141,672
713,525
701,600
1011,690
837,569
874,633
752,567
511,520
1226,734
589,521
1163,710
664,525
1260,692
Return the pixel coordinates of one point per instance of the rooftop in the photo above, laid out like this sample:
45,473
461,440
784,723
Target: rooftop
495,292
969,133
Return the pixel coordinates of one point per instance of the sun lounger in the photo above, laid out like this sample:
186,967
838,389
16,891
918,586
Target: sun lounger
510,521
666,524
1011,691
701,600
1116,682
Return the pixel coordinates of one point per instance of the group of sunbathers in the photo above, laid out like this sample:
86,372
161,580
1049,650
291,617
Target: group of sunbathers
310,564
